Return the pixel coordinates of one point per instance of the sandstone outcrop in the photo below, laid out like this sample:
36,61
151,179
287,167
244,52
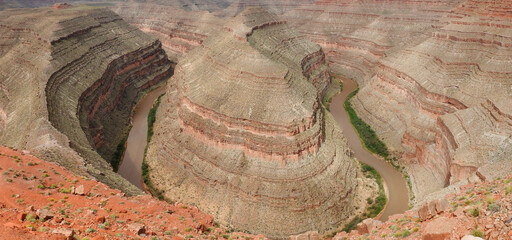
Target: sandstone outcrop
70,79
242,133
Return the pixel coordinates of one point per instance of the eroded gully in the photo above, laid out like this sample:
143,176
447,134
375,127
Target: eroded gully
394,182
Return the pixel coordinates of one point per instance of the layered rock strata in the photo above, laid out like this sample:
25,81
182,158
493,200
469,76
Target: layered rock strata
242,134
177,29
444,104
73,79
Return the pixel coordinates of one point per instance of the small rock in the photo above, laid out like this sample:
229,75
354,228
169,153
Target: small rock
21,216
471,237
62,5
442,205
44,214
11,225
439,229
80,190
68,233
368,225
311,235
57,220
509,219
29,208
123,211
427,211
137,228
100,219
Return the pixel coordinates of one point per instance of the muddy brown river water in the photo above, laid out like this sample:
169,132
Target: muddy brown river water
131,166
394,182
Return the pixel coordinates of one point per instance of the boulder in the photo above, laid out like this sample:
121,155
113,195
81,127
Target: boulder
439,229
44,214
68,233
100,219
368,225
80,190
441,205
137,228
21,216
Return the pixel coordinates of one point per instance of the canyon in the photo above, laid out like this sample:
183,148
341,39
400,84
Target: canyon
420,66
70,78
241,132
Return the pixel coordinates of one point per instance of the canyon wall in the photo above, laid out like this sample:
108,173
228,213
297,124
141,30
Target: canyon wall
178,30
444,104
242,133
73,78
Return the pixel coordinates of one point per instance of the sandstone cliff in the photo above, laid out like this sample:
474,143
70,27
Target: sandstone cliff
242,134
444,104
70,79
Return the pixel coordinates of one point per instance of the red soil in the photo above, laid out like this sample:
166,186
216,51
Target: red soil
28,184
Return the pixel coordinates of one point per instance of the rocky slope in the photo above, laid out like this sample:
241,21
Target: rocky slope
444,103
474,212
70,78
41,200
242,134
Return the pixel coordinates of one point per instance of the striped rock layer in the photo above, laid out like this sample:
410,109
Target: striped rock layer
242,135
70,79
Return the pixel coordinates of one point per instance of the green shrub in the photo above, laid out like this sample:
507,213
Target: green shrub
475,212
145,166
493,207
477,233
118,154
403,234
365,132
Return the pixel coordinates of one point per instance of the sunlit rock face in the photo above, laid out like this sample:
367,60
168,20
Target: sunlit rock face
443,104
70,78
242,134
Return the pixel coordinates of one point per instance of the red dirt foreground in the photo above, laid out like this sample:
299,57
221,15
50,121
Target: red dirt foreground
478,211
41,200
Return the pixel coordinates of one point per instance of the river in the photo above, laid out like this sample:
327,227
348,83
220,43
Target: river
131,165
394,182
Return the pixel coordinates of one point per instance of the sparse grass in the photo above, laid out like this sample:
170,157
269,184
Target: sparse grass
493,207
475,212
508,189
403,234
365,132
477,233
376,205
